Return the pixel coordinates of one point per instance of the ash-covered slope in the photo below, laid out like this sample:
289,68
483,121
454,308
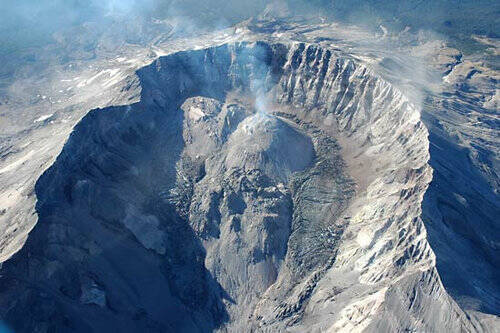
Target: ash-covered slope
203,208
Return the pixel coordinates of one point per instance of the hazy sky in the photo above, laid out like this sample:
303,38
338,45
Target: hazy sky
28,23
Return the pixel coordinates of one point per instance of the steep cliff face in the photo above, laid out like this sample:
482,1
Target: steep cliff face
254,186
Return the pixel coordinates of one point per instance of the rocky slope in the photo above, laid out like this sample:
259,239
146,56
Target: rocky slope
254,185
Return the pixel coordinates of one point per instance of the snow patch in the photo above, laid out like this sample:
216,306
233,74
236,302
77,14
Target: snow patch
14,165
42,118
364,238
110,72
196,114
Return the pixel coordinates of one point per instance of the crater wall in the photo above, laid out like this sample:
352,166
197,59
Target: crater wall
255,186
